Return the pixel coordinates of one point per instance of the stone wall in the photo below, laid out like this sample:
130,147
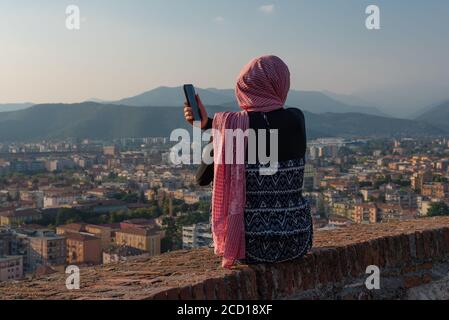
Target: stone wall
413,258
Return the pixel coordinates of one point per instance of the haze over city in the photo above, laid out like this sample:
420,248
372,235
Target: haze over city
123,50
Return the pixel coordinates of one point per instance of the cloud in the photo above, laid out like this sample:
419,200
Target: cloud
219,20
268,8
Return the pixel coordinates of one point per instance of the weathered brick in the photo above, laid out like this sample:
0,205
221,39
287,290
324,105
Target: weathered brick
391,252
198,292
185,293
335,266
427,278
412,249
161,295
354,263
221,290
270,283
308,275
363,252
297,276
289,278
209,289
445,241
343,261
419,241
425,266
427,244
320,268
232,286
405,249
412,281
279,279
412,245
383,252
249,283
173,294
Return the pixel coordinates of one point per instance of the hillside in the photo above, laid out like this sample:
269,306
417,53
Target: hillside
437,116
5,107
356,124
99,121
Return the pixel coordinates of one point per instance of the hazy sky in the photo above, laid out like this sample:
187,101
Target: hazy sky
126,47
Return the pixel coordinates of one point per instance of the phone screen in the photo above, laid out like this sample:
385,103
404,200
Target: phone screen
189,91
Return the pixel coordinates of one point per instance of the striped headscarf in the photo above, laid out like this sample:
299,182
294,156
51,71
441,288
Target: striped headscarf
262,86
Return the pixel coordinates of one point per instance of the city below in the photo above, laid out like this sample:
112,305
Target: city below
99,202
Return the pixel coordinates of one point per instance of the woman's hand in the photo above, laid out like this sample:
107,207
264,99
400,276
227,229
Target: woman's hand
188,114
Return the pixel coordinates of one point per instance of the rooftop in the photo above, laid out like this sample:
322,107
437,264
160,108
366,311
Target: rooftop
21,213
79,237
139,231
413,257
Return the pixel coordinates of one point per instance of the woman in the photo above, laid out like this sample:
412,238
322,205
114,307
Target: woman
258,218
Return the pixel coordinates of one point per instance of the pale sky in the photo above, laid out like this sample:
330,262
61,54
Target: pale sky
126,47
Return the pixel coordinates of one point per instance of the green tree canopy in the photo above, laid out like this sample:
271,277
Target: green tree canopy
438,209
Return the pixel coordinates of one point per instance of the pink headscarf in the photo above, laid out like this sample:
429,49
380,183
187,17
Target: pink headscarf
262,86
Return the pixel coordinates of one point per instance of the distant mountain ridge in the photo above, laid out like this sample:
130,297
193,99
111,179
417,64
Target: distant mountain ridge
174,97
5,107
102,121
437,116
312,101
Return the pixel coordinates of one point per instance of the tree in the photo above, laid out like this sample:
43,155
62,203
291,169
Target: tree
131,197
173,239
321,208
142,198
67,215
438,209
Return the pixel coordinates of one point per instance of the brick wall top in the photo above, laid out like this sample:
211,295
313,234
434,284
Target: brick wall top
339,258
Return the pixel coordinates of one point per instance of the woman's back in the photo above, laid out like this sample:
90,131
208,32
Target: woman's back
292,140
278,223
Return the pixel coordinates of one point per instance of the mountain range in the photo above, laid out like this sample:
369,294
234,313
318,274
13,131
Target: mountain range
108,121
313,101
157,112
437,116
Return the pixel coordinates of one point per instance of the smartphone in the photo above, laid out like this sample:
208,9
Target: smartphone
189,91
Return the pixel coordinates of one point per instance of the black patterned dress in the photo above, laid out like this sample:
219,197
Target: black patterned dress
278,220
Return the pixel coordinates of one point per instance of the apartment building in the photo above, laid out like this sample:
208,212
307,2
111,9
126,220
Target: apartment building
365,213
11,268
148,240
83,249
418,179
6,237
47,248
435,190
59,199
34,197
102,232
117,254
196,236
18,217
